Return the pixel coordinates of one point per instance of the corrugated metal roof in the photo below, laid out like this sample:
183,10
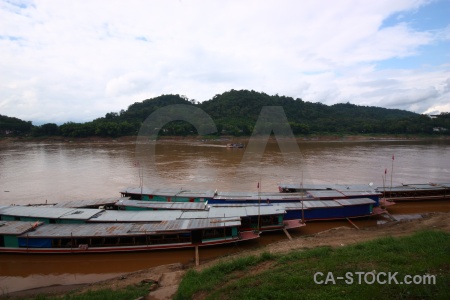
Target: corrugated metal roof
223,212
310,204
214,223
88,202
321,204
80,230
359,193
414,187
191,224
170,192
254,196
166,192
264,210
196,194
81,214
3,207
425,187
236,195
147,191
124,229
17,227
194,214
281,196
355,201
137,216
326,194
338,187
299,186
354,188
243,211
163,205
396,189
50,212
292,205
263,203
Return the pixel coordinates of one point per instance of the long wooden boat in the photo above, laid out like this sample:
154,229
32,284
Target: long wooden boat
404,192
322,204
270,213
329,192
288,193
324,209
39,237
131,211
416,192
253,217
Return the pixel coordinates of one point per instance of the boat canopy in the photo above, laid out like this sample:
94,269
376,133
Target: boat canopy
127,229
163,205
17,227
49,212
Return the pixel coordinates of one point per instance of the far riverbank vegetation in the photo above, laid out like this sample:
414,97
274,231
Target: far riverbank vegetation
235,114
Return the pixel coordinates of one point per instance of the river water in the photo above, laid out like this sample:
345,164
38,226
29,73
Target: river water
39,172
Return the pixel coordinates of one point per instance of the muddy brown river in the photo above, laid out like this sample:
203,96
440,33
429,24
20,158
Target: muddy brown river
39,172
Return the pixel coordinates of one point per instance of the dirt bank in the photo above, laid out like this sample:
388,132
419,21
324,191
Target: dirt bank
169,276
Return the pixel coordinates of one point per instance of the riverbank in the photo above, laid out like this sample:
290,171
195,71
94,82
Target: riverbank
407,267
224,139
169,276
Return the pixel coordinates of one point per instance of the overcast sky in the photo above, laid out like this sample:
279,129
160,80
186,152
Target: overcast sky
77,60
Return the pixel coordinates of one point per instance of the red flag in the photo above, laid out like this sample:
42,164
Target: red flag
257,186
392,156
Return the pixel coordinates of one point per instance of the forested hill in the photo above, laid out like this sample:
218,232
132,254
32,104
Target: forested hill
10,125
235,113
239,110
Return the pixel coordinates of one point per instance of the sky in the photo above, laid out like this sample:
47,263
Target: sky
64,61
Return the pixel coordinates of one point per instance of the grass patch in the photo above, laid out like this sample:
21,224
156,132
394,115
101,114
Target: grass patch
210,278
291,276
130,292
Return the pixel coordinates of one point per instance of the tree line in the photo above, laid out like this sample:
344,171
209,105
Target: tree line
236,112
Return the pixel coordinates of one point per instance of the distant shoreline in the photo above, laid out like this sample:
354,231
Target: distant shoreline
224,139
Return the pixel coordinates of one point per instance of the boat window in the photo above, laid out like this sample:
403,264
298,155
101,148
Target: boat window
111,241
96,242
140,240
81,241
127,240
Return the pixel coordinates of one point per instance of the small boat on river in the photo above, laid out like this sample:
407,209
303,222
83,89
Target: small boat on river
235,145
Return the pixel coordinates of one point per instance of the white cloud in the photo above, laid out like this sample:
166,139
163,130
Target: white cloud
75,60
